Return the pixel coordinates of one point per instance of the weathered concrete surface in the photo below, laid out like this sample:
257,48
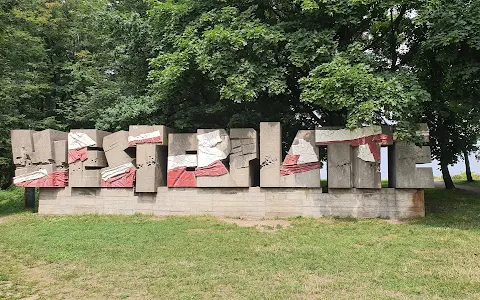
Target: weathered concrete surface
182,159
307,154
366,174
244,156
236,202
43,144
115,146
209,152
22,145
96,159
94,134
328,135
339,166
81,177
60,153
136,132
151,167
403,172
182,143
270,154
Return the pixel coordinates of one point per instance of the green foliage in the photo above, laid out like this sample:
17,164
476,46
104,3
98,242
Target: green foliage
11,200
463,176
192,64
368,96
448,66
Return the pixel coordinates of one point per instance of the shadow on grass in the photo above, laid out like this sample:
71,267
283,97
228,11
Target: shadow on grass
451,208
11,201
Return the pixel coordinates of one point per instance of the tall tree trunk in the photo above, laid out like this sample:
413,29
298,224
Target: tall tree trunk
467,166
447,179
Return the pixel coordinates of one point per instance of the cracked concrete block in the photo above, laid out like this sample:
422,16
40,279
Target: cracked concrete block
96,159
43,144
403,172
117,150
151,168
25,170
366,174
213,149
182,159
243,133
96,135
328,135
270,154
339,166
213,145
87,173
22,144
236,143
301,167
249,149
157,134
61,152
79,176
182,143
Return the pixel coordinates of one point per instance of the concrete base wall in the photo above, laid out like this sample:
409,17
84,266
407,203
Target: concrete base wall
236,202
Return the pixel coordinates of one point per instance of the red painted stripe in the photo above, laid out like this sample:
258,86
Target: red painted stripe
216,168
295,169
180,177
157,139
53,179
121,180
374,149
77,154
379,138
291,159
186,179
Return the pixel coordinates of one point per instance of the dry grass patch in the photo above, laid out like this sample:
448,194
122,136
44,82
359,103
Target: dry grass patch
262,225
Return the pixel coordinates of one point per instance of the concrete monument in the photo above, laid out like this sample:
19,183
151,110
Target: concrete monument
151,169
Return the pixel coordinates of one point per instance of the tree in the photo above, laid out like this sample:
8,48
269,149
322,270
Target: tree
62,63
438,41
448,64
24,75
223,64
205,64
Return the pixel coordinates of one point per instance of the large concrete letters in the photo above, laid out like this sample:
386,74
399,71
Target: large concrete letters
86,157
354,155
212,158
151,159
40,158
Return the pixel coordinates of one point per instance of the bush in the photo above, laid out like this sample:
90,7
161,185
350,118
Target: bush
463,176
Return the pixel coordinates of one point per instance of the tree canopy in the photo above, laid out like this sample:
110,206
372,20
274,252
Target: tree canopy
206,63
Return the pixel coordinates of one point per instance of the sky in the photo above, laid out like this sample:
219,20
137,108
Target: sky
455,169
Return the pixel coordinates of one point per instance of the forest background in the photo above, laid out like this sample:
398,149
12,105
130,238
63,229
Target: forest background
194,64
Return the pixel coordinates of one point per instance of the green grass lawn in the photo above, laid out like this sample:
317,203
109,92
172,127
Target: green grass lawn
475,183
143,257
462,179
